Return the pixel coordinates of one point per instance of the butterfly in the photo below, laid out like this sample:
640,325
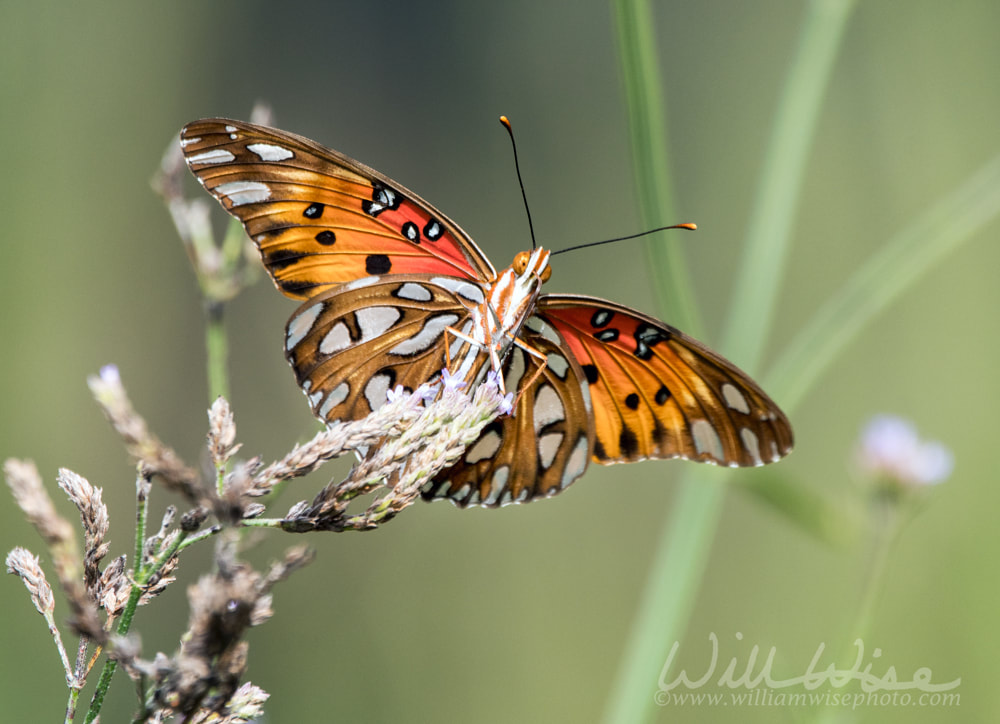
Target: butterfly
393,291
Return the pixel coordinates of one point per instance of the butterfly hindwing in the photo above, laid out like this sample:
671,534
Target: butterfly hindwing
543,446
320,218
658,393
351,344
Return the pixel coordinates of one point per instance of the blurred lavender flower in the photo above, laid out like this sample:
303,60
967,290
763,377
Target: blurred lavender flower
891,451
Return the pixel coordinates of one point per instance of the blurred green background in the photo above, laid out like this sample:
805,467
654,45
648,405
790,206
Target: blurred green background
519,614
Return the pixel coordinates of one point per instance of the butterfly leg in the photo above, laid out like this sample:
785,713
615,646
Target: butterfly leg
457,335
537,354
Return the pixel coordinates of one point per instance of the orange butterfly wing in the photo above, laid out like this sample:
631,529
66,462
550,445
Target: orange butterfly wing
320,218
658,393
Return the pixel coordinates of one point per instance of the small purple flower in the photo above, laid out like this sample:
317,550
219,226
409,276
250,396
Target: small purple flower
891,449
493,379
450,381
110,376
507,404
397,393
427,392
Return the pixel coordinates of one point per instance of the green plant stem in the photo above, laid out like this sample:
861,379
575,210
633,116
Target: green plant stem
74,697
217,350
647,125
684,547
765,250
906,257
125,622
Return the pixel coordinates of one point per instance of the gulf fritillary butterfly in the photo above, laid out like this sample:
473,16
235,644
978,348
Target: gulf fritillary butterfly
394,290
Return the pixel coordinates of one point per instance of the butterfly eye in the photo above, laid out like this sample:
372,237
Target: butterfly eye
521,261
546,273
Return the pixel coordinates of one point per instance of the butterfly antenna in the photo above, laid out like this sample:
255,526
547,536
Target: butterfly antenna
517,167
689,227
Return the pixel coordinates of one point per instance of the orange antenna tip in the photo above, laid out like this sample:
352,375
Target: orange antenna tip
505,121
691,227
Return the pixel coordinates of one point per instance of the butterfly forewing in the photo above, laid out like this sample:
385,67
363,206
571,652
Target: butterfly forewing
543,446
320,218
657,393
351,344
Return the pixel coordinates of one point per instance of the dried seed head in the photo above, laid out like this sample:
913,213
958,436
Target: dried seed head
26,485
221,432
155,457
22,563
94,514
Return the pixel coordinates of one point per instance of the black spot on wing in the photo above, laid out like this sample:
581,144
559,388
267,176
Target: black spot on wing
411,232
606,335
296,286
646,337
383,198
662,395
282,259
313,211
433,230
632,401
377,264
326,238
601,318
590,372
628,442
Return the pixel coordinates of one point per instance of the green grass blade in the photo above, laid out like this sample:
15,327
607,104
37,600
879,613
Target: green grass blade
893,269
650,159
679,563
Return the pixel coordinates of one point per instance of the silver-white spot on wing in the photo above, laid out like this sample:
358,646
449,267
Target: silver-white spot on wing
548,408
515,370
300,325
497,484
433,328
486,447
558,364
216,155
735,399
336,396
244,192
360,283
415,292
548,446
375,391
752,444
467,290
337,339
185,142
706,439
375,321
538,326
269,152
576,463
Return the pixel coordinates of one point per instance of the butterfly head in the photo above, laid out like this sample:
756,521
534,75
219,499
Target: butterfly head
532,264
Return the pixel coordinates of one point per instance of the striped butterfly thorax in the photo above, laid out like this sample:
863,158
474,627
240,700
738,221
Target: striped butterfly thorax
393,291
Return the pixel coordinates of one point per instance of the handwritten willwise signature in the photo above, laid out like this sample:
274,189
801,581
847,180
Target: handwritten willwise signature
813,678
